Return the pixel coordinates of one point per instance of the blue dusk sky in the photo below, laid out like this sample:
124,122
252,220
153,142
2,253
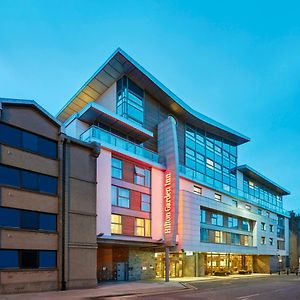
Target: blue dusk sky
235,61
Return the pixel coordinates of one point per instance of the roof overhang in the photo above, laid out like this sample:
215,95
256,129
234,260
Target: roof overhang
251,173
119,64
94,111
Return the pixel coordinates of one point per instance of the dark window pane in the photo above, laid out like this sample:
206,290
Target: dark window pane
47,148
47,222
9,176
47,259
29,180
30,220
10,135
29,141
29,259
48,184
9,217
9,259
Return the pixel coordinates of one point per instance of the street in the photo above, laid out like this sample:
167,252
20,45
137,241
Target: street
273,287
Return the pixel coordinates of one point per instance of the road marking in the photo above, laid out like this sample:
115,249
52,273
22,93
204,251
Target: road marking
247,297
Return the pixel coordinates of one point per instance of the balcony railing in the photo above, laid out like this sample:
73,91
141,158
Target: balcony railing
234,192
96,134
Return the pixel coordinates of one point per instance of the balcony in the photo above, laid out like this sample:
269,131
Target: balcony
231,191
106,138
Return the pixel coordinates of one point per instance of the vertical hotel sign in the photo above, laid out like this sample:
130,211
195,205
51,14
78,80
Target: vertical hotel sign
168,209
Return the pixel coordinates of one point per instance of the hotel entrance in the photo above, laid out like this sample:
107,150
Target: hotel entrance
175,265
227,263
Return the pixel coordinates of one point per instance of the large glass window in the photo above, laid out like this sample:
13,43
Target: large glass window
25,219
232,222
116,224
142,227
120,196
15,137
9,259
28,180
142,176
216,219
211,156
47,259
130,100
116,168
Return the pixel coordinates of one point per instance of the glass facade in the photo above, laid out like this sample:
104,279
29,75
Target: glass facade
212,157
269,198
130,100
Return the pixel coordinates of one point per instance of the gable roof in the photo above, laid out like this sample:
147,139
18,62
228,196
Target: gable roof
120,63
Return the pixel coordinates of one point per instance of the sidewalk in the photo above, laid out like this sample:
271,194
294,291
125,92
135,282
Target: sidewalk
110,289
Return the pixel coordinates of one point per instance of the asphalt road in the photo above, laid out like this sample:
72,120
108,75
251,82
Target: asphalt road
253,288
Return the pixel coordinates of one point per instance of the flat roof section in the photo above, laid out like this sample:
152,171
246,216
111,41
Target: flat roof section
251,173
119,64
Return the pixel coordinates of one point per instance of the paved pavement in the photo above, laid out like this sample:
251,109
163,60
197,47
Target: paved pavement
238,287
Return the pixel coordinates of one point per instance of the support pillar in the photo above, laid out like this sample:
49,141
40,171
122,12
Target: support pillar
167,264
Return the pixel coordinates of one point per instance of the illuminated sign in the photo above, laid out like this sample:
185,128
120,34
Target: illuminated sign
168,203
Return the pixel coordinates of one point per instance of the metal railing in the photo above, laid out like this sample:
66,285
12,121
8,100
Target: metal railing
232,191
97,134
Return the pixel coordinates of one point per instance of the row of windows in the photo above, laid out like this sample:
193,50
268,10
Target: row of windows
254,189
142,226
263,227
28,180
27,259
24,140
263,241
121,197
142,176
218,219
222,237
130,100
25,219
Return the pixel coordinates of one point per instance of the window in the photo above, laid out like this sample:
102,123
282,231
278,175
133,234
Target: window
145,202
263,240
47,259
271,241
247,206
234,203
15,137
203,215
268,214
116,168
29,259
142,227
232,222
116,224
218,197
130,100
9,259
142,176
245,225
218,237
263,226
25,219
28,180
280,245
259,211
271,228
216,219
120,196
197,190
204,235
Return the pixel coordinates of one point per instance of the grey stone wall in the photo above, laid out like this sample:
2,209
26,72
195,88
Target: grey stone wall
141,264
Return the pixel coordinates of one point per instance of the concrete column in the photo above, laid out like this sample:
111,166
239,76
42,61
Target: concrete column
167,264
201,264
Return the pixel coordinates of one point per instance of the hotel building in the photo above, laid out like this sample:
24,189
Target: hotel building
170,192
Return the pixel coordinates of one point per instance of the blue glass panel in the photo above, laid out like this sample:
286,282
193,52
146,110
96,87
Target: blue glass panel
9,176
48,184
48,222
10,135
29,180
9,259
47,148
30,141
30,220
47,259
9,217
